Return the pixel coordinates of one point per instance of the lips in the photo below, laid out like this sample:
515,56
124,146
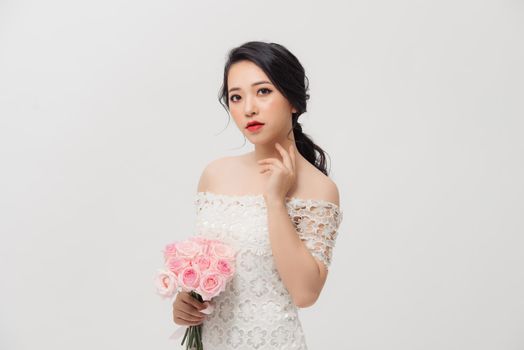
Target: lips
253,123
255,127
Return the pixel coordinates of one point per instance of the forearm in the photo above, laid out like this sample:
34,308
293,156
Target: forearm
297,267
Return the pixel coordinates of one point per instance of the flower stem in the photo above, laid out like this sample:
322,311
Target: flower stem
191,337
198,337
195,332
185,335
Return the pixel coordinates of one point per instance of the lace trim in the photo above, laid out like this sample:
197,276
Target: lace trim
316,221
259,199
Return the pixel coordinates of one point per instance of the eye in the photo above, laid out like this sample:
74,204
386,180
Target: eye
261,89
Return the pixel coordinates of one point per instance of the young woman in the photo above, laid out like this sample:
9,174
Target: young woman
275,205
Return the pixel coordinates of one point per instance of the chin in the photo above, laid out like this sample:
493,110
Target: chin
266,141
262,138
254,138
255,141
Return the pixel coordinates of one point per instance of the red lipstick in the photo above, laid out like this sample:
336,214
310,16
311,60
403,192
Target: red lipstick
254,125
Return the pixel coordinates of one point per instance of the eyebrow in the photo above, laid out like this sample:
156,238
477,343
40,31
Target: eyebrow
257,83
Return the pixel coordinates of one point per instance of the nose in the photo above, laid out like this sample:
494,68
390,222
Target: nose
249,107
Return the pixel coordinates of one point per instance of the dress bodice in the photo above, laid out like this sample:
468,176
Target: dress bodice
256,311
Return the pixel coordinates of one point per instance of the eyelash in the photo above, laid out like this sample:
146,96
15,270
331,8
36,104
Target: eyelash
269,91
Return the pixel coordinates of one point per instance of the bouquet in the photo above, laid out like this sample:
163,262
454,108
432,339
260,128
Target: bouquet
200,266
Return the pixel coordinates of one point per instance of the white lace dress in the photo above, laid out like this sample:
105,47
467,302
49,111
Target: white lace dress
256,311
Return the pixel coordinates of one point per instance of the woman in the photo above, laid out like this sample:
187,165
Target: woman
276,205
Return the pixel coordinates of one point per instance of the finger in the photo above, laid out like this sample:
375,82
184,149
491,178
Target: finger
190,317
285,156
272,161
188,299
182,322
190,309
184,319
189,314
264,169
196,323
292,155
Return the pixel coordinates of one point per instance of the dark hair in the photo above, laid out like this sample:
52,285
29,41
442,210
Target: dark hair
288,76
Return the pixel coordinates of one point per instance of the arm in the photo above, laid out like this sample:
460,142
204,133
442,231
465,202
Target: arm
301,273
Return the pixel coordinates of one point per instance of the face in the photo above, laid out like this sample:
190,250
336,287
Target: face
252,96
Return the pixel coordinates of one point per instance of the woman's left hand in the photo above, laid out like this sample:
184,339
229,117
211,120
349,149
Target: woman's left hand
282,173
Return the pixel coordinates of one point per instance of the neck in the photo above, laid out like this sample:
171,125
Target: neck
269,150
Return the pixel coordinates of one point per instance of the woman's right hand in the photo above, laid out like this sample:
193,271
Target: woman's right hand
186,310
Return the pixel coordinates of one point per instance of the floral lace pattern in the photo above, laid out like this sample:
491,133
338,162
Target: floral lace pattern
256,311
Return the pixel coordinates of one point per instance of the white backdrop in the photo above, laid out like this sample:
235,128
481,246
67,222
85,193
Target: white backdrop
109,112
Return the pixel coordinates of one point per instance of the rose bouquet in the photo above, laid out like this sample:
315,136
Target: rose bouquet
200,266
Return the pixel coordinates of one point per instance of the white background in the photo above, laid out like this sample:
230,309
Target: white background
109,112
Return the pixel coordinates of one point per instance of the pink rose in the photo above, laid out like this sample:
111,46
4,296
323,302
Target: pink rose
166,283
222,251
225,268
205,243
211,284
188,249
200,239
176,264
203,262
170,250
189,278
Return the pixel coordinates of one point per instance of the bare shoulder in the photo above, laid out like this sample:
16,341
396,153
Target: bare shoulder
322,186
329,190
213,171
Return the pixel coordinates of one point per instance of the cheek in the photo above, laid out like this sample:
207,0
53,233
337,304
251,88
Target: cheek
279,114
278,106
236,114
238,121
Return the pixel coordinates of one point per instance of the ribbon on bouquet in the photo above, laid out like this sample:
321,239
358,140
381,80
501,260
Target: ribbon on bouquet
180,330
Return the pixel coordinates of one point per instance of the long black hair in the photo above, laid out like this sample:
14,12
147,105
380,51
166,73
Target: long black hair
288,76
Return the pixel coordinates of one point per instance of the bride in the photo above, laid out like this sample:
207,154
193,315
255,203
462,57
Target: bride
276,204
